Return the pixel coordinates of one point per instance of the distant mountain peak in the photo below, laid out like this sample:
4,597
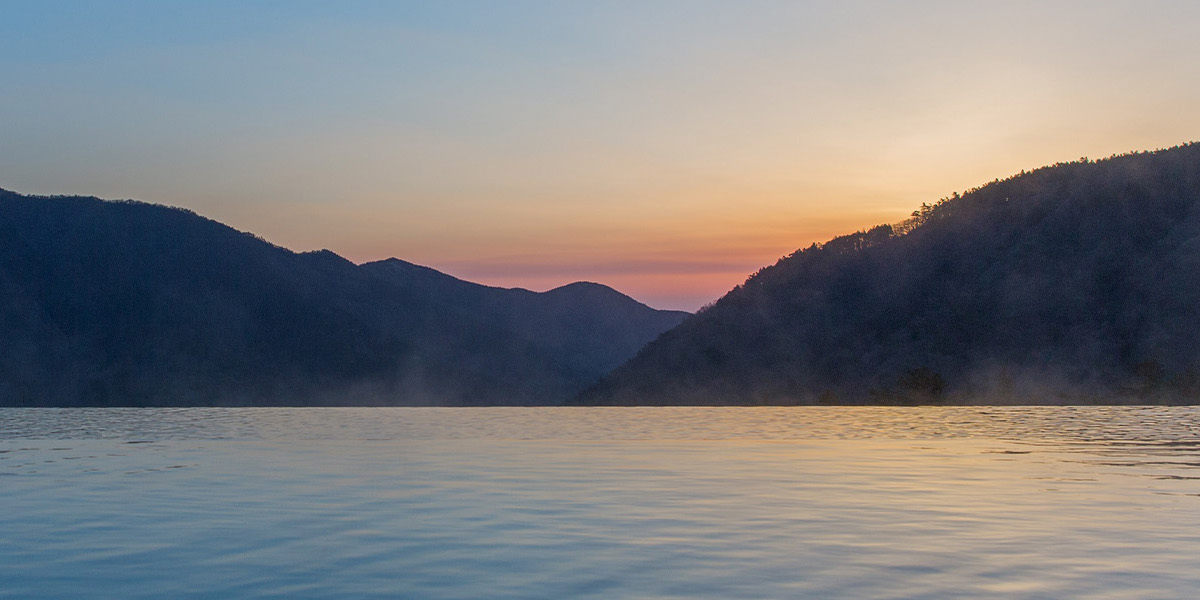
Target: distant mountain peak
585,287
415,272
326,256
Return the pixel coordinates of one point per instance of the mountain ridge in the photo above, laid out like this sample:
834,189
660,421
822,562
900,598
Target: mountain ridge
1073,283
131,303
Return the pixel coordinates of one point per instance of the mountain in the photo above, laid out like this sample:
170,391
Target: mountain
1074,283
127,303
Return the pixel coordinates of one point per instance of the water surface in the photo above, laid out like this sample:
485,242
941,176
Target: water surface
808,502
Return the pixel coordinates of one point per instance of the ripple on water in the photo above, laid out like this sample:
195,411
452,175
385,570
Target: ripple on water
822,502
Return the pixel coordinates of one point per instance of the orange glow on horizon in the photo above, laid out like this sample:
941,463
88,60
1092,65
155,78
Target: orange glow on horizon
680,272
668,158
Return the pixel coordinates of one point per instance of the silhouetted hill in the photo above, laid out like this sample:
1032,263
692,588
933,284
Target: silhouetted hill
1078,282
126,303
586,327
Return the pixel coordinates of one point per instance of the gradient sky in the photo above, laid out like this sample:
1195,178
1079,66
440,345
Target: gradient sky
667,149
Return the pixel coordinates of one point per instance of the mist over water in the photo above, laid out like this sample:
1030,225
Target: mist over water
808,502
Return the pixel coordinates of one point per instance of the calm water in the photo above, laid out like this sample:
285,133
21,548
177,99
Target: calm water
600,503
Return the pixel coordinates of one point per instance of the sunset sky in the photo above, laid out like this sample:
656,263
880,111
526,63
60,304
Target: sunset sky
667,149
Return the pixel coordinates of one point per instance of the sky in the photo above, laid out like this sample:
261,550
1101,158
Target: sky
665,148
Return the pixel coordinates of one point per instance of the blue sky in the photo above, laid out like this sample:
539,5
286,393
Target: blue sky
665,148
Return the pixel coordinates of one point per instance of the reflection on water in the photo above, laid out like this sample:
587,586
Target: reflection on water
1153,424
814,502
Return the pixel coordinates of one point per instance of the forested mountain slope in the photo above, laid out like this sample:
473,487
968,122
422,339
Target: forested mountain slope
126,303
1078,282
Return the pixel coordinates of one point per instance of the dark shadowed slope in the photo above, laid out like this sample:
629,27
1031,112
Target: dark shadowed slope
126,303
1078,282
589,327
